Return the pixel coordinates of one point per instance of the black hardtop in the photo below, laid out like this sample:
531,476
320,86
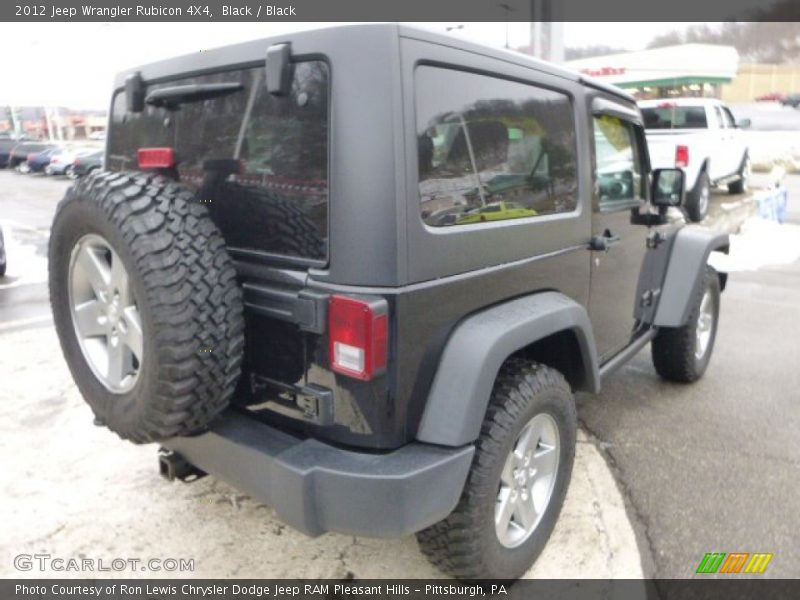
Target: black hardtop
249,53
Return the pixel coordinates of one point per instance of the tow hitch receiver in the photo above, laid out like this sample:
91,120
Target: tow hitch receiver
173,466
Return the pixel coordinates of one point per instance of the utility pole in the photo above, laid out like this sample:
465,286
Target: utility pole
15,124
508,10
547,30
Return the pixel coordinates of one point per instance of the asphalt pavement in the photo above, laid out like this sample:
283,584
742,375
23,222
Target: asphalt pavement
715,466
27,205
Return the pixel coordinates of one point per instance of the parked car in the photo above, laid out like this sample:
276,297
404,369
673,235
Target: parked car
792,100
3,257
61,163
37,161
86,163
375,369
20,152
7,144
771,97
700,136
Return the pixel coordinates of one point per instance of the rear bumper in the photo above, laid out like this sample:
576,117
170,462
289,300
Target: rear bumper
316,488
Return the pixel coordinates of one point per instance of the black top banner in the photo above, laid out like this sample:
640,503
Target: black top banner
401,10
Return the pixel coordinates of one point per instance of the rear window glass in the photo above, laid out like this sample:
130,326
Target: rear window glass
491,149
675,117
258,161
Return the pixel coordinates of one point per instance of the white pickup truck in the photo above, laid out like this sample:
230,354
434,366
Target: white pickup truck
700,136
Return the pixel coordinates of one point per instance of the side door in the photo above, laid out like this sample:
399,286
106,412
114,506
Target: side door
718,141
735,142
618,246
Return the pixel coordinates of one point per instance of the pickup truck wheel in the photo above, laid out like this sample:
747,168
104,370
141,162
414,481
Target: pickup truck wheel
696,206
519,477
146,305
741,185
682,354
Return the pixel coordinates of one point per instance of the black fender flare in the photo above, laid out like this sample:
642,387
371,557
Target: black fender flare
684,272
478,347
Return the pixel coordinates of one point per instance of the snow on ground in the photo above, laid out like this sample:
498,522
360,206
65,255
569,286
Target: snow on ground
759,243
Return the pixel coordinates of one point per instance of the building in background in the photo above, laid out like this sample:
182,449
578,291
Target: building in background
685,70
762,80
53,123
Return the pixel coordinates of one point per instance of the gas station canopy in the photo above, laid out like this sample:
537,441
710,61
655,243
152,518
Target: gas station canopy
684,70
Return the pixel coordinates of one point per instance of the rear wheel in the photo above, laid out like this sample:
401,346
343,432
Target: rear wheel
682,354
519,477
698,198
145,304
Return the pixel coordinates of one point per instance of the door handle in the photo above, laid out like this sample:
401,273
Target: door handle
601,243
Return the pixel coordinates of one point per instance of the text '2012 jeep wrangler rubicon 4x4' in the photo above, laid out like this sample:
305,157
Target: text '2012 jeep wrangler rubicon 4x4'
359,272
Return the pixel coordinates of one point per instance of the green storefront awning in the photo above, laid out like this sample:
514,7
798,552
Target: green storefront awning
672,81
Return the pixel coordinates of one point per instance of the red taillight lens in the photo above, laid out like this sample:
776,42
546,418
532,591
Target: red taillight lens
667,105
31,156
358,332
681,156
156,158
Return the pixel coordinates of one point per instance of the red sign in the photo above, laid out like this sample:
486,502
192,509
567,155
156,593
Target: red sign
604,71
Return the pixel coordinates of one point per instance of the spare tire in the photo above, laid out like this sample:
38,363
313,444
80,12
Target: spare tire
146,305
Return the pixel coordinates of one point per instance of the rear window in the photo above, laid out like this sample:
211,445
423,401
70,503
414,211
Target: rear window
258,161
675,117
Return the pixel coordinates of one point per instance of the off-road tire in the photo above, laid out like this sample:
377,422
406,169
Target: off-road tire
673,348
185,288
694,206
741,185
465,544
281,224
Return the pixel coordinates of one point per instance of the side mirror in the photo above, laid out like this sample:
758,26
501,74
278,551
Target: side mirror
744,123
280,71
666,187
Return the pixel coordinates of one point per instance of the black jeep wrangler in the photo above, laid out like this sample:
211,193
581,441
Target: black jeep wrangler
360,272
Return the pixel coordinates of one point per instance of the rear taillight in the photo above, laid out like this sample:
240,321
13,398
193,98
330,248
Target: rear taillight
358,332
681,156
156,158
31,156
76,162
667,105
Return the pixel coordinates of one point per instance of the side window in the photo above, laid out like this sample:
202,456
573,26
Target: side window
618,161
491,149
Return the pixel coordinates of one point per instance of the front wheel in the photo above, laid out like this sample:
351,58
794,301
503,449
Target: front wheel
682,354
741,185
698,198
519,477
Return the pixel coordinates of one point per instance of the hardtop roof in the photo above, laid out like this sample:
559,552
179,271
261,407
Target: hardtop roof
254,51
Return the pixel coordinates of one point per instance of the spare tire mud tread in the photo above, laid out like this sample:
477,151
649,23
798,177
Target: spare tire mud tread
192,304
